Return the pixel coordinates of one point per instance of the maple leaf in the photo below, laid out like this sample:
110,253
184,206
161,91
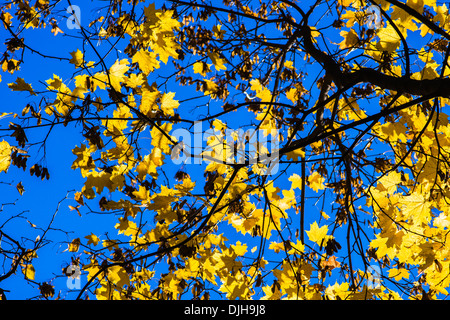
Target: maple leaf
55,29
127,227
295,154
117,73
416,206
276,246
202,68
218,32
350,39
77,58
389,182
147,61
296,181
330,263
318,235
168,104
218,62
118,275
389,39
5,156
398,274
74,245
297,247
239,249
29,271
160,139
210,88
92,238
21,85
146,166
316,181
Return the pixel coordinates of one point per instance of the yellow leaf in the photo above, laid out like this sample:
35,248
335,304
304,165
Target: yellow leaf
289,64
55,83
294,155
239,249
316,181
393,131
74,245
126,227
142,193
77,58
29,271
201,68
98,80
110,244
210,88
118,276
161,140
389,39
350,39
147,61
84,160
6,17
296,181
399,274
92,268
416,206
21,85
116,73
92,238
134,80
168,104
297,247
389,182
276,246
217,61
5,156
345,3
318,235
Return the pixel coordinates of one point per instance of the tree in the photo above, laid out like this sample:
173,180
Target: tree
335,186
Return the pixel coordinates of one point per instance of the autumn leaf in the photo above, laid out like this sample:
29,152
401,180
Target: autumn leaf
350,39
29,271
168,104
218,62
389,38
318,235
240,249
398,274
92,239
160,137
201,68
296,181
21,85
377,174
118,276
117,73
295,155
77,58
5,156
315,181
147,61
74,245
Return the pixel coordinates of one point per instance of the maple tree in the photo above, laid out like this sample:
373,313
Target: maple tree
358,110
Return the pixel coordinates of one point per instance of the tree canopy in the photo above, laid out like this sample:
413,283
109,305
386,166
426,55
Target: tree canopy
227,149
